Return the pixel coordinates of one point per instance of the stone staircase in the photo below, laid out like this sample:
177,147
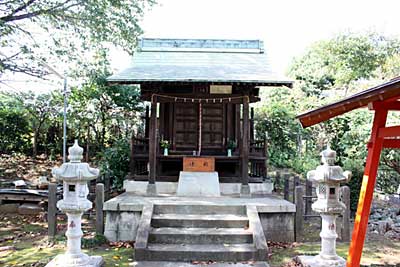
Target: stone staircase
200,232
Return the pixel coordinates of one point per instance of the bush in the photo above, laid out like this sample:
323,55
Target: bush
356,166
14,131
304,164
114,161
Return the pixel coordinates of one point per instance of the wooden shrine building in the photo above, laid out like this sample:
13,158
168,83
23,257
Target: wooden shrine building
381,100
200,93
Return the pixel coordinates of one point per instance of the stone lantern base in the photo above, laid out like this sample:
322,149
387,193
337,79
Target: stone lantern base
65,260
317,261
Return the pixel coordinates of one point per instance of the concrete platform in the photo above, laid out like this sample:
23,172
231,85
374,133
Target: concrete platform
171,188
123,213
133,202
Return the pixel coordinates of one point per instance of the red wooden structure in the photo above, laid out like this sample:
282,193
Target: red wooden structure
380,100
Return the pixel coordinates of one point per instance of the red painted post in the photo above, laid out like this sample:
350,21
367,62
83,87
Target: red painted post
367,190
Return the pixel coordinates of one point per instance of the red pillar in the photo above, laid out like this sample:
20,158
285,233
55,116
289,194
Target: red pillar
367,190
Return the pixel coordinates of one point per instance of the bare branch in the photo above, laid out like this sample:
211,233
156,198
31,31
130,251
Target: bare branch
11,17
22,7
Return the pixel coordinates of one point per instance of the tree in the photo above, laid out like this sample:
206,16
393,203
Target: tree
39,108
346,58
32,31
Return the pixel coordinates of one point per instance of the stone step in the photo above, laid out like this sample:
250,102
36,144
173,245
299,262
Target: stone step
200,235
199,209
195,252
199,221
199,264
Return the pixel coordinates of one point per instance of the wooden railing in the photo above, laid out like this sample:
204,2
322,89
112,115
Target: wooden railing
139,145
258,148
258,168
138,165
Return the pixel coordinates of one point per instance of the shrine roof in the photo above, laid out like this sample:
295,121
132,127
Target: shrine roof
200,61
383,92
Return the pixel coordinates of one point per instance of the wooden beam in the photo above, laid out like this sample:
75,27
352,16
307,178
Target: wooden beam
245,143
391,143
393,131
153,141
388,105
367,190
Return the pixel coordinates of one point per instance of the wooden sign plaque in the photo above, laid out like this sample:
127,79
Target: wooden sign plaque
198,164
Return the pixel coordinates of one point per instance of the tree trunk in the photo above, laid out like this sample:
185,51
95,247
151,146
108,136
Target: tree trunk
34,144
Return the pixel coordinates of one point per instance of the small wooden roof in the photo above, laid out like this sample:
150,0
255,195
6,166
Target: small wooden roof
212,61
386,91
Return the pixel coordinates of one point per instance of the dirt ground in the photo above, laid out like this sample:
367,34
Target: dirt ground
21,167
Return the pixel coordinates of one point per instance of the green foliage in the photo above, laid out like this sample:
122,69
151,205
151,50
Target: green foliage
164,144
93,242
14,126
304,163
356,166
324,74
231,144
346,58
277,121
35,31
114,161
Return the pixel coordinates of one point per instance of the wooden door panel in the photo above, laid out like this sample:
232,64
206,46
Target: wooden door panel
212,126
186,126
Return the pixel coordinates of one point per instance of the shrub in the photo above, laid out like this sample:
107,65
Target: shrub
356,166
114,161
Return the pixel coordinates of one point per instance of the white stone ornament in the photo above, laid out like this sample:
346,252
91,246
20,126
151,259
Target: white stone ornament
75,176
327,178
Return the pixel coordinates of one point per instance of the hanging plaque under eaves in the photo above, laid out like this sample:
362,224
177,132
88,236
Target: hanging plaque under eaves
220,89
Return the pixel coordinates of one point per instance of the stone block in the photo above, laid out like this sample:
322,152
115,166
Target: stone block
278,227
128,225
9,208
111,226
198,184
29,209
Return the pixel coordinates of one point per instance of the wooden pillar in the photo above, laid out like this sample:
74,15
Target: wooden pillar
286,186
296,182
367,190
52,211
237,128
146,122
345,190
99,208
252,124
131,160
153,141
308,200
299,222
245,142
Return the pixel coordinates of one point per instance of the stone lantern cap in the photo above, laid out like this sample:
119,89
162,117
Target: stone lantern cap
328,172
75,170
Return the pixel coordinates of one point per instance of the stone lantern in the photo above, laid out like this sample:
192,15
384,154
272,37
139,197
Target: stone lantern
75,176
327,178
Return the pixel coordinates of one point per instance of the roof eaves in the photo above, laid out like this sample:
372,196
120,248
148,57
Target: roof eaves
361,99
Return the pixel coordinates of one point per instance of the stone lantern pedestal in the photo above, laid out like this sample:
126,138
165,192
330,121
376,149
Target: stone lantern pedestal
327,179
75,176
